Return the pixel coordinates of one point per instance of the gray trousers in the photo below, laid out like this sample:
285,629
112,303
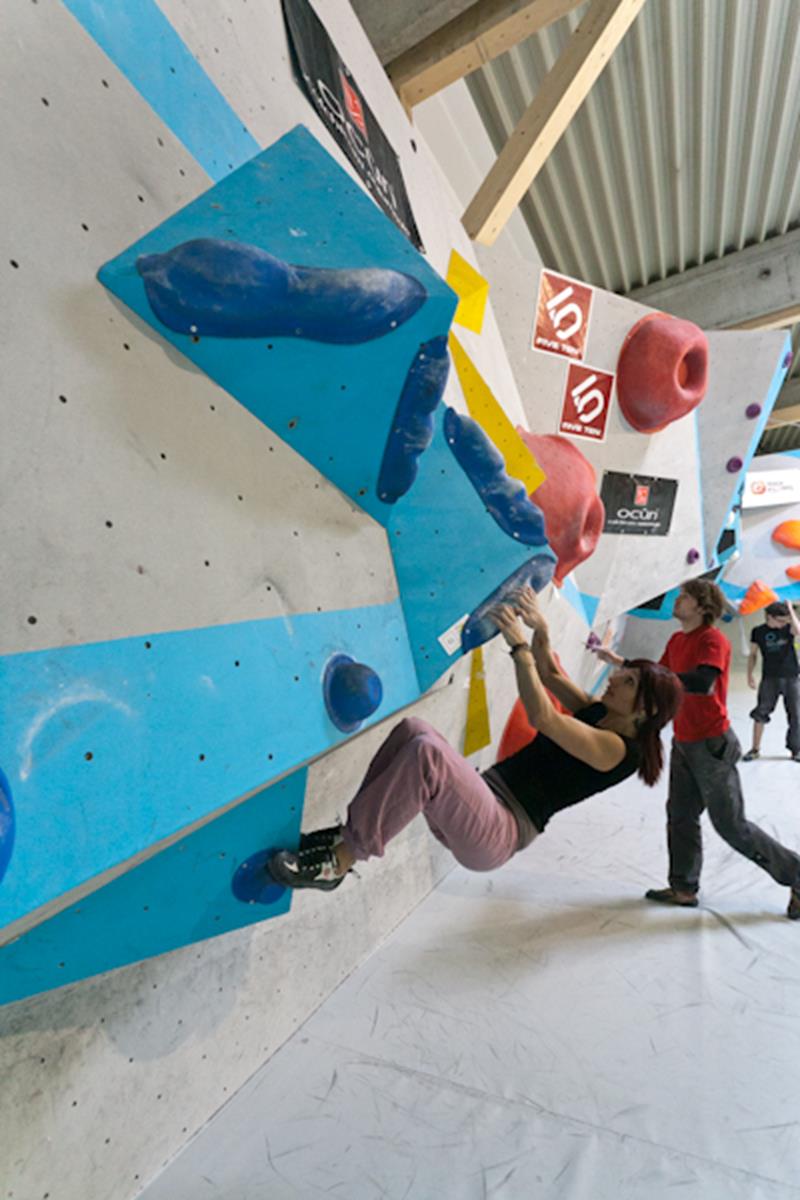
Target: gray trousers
703,775
770,688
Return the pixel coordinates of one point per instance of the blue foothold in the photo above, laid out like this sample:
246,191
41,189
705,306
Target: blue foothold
252,882
352,692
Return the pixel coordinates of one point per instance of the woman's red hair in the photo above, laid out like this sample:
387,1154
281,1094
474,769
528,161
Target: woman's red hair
660,694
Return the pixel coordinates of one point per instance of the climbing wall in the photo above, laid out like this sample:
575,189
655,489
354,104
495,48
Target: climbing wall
186,563
565,341
770,537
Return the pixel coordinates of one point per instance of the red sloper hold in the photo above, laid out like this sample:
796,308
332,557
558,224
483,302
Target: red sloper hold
573,512
662,373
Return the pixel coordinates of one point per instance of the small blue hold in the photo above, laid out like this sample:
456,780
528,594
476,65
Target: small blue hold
352,692
7,825
535,573
412,424
252,882
229,289
505,498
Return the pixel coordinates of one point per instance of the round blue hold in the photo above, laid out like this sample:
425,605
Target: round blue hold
7,825
352,692
253,884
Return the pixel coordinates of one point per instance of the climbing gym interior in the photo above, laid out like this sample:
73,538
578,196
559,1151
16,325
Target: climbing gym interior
331,331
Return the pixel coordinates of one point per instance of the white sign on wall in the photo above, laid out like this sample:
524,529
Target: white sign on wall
771,487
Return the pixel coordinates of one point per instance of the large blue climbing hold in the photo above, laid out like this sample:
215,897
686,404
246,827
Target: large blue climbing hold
535,573
412,425
352,692
229,289
7,825
505,498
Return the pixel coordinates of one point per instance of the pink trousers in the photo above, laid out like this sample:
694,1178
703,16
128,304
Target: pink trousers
417,771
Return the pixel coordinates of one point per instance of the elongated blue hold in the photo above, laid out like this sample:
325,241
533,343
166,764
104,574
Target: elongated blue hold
229,289
412,425
505,498
535,573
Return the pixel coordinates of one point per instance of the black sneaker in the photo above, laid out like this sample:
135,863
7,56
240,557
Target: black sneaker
751,754
793,911
323,839
313,867
796,757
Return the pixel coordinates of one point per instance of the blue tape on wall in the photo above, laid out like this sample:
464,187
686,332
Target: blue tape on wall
109,748
181,895
142,44
334,404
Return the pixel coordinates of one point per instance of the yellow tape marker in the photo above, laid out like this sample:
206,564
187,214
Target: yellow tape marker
484,409
472,291
478,732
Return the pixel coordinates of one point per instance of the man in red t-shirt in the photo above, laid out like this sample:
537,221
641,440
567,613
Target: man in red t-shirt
705,751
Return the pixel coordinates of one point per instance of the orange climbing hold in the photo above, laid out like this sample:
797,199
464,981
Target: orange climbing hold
787,534
573,512
793,572
662,372
757,596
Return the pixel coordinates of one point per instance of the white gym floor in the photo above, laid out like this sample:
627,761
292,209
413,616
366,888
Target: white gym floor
543,1033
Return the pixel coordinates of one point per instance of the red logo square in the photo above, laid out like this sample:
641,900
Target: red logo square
352,102
562,315
642,495
587,399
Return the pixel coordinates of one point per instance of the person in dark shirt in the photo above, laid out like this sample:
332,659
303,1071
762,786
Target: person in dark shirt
780,675
705,751
486,819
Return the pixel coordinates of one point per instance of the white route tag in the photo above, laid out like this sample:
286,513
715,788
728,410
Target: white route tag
450,640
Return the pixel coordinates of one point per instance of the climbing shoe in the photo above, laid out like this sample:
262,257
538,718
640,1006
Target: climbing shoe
793,911
312,867
668,895
324,839
751,754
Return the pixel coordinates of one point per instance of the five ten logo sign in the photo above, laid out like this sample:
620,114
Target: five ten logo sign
562,315
587,399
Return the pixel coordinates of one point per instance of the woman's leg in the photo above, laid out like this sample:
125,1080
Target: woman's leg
424,774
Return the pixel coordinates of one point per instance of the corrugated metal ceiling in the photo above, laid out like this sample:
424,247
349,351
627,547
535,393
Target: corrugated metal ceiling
687,148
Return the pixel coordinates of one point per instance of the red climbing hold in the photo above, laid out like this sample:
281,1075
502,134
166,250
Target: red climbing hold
662,373
573,512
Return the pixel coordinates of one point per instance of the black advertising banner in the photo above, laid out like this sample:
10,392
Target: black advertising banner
336,97
638,503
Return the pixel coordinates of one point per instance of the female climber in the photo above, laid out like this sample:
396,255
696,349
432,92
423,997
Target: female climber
484,820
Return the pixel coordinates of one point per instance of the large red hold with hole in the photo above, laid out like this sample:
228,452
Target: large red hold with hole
573,512
662,372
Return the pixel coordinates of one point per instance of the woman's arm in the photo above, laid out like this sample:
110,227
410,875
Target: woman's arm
553,678
600,748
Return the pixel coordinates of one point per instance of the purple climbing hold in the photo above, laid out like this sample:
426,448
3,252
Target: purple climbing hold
693,555
787,359
734,465
752,411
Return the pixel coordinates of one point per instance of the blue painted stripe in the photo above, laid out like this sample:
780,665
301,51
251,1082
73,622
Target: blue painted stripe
142,44
569,591
110,748
179,896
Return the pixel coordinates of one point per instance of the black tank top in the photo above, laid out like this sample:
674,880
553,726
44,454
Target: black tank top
545,779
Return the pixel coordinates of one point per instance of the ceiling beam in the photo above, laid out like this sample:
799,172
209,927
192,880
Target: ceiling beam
756,288
789,411
486,30
544,121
